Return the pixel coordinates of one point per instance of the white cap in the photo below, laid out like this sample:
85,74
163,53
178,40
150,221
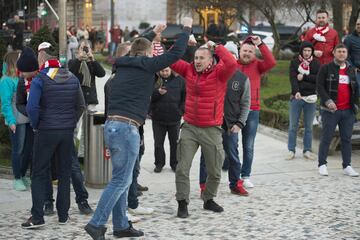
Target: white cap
231,47
44,45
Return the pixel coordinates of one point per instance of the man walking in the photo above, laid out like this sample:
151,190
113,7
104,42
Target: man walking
323,37
338,90
129,99
54,106
204,108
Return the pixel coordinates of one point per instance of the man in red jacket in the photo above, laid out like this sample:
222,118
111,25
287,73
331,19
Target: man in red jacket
204,109
253,68
323,37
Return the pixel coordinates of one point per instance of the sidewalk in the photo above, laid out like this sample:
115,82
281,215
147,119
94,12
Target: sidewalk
290,201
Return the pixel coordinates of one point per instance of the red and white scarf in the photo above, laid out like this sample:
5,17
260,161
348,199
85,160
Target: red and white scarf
208,68
319,35
304,66
158,49
52,63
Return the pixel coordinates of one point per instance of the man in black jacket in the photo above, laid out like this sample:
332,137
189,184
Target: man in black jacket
352,43
167,107
338,90
129,99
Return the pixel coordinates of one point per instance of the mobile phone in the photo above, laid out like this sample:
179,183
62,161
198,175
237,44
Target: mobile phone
86,49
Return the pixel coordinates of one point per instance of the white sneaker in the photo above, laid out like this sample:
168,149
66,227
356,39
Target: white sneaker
350,172
323,170
309,155
132,218
247,183
290,156
141,211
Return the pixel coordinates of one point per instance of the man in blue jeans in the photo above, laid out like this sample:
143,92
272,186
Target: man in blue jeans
129,100
54,106
338,90
254,68
236,110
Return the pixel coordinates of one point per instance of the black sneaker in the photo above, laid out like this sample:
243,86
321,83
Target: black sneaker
142,188
97,233
158,169
182,209
63,221
49,209
129,232
212,206
84,208
29,224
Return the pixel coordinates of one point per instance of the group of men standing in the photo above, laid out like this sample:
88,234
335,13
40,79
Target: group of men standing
222,98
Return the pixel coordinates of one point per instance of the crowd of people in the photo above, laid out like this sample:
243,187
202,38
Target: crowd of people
216,92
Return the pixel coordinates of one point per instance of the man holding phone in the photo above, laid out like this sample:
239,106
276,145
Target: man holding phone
167,107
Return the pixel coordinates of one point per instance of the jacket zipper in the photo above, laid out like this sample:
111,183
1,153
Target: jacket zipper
197,96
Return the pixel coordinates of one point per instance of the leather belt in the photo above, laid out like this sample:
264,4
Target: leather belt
124,119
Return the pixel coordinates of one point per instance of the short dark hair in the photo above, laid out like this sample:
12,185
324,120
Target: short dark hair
140,46
322,11
340,45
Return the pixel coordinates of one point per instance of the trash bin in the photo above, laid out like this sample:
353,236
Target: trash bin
97,157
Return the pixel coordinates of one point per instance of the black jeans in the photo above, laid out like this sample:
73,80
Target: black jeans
46,143
345,119
160,130
77,180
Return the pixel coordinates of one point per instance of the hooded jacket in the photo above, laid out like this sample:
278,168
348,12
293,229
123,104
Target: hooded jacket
205,92
8,86
307,86
254,70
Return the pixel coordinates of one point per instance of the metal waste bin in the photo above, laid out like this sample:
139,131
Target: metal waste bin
97,157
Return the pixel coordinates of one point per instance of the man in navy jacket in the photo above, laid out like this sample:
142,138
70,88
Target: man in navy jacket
54,106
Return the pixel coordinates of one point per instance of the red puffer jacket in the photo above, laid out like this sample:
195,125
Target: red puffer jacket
205,92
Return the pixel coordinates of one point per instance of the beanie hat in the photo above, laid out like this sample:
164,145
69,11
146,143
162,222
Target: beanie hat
27,61
232,47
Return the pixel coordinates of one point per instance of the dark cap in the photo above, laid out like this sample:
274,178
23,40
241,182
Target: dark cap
27,61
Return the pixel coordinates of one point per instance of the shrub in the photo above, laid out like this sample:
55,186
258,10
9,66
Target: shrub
43,35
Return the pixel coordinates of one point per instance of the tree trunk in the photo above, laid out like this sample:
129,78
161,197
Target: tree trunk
337,6
276,36
354,15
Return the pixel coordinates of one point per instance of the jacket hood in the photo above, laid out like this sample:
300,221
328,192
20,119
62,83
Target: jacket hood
305,44
4,68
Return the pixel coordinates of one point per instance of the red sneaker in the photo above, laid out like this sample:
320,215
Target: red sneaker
202,189
239,189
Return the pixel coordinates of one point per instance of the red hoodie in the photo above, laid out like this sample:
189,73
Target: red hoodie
254,70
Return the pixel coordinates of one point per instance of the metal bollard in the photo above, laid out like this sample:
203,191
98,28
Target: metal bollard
97,158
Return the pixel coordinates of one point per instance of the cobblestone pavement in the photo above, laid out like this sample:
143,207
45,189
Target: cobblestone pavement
303,208
290,201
